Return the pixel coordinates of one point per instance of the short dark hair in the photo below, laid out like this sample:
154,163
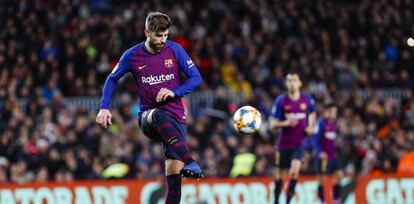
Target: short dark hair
292,72
157,22
329,105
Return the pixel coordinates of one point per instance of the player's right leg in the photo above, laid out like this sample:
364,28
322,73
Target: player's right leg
321,170
320,188
338,174
173,135
296,156
282,165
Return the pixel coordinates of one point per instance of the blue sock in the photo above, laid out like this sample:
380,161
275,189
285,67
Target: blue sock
291,190
174,189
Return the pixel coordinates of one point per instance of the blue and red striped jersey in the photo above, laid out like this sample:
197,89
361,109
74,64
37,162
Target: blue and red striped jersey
324,138
286,108
152,72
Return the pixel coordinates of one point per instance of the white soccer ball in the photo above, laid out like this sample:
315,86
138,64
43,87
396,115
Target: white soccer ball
247,120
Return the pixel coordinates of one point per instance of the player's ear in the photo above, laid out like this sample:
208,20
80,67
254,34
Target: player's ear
147,33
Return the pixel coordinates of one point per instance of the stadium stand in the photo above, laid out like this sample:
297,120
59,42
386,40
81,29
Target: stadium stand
54,56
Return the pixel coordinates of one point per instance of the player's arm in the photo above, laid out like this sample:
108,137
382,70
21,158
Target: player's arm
311,116
316,141
104,116
190,70
277,123
316,138
276,117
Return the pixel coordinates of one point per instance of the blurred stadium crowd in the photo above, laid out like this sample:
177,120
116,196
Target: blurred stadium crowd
50,50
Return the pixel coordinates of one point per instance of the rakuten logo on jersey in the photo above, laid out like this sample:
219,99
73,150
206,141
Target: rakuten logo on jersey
330,135
151,80
297,116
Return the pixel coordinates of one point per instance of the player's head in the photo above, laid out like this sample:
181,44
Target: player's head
157,28
330,111
293,82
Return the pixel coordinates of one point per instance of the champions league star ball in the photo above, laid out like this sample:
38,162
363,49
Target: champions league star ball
247,120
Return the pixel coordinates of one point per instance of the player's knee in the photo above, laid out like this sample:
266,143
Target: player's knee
294,171
157,115
295,165
337,177
277,173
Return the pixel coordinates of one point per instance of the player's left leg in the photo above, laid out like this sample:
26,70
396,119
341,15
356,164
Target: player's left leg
337,181
322,169
320,188
294,172
294,175
172,171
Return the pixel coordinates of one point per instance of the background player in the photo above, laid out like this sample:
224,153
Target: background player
293,112
323,142
156,65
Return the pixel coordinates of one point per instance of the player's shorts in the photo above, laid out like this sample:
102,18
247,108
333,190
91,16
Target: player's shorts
151,131
327,167
283,157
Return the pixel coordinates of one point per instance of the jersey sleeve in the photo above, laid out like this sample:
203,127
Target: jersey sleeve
277,109
311,105
316,138
121,68
190,70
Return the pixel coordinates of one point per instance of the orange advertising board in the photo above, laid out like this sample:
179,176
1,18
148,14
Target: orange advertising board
386,189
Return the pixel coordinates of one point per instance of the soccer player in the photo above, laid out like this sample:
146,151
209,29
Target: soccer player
156,65
293,112
323,142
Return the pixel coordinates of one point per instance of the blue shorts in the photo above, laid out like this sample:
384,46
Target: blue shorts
151,131
329,167
284,157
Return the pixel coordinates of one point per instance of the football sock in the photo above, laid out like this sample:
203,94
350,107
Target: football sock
337,191
291,190
170,133
174,189
320,192
278,189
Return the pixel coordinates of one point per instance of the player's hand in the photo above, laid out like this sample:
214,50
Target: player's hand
292,122
164,94
323,155
309,130
104,118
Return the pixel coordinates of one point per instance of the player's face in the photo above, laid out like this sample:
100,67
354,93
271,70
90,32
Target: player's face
293,82
157,39
331,113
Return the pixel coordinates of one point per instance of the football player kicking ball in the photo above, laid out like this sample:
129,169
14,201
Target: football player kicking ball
156,65
293,112
327,161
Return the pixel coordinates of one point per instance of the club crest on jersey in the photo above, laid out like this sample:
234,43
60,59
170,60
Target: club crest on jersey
168,63
303,106
287,107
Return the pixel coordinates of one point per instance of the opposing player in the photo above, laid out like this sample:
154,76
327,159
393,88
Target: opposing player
293,112
324,148
156,65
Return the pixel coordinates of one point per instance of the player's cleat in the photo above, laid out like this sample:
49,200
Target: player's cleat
192,170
